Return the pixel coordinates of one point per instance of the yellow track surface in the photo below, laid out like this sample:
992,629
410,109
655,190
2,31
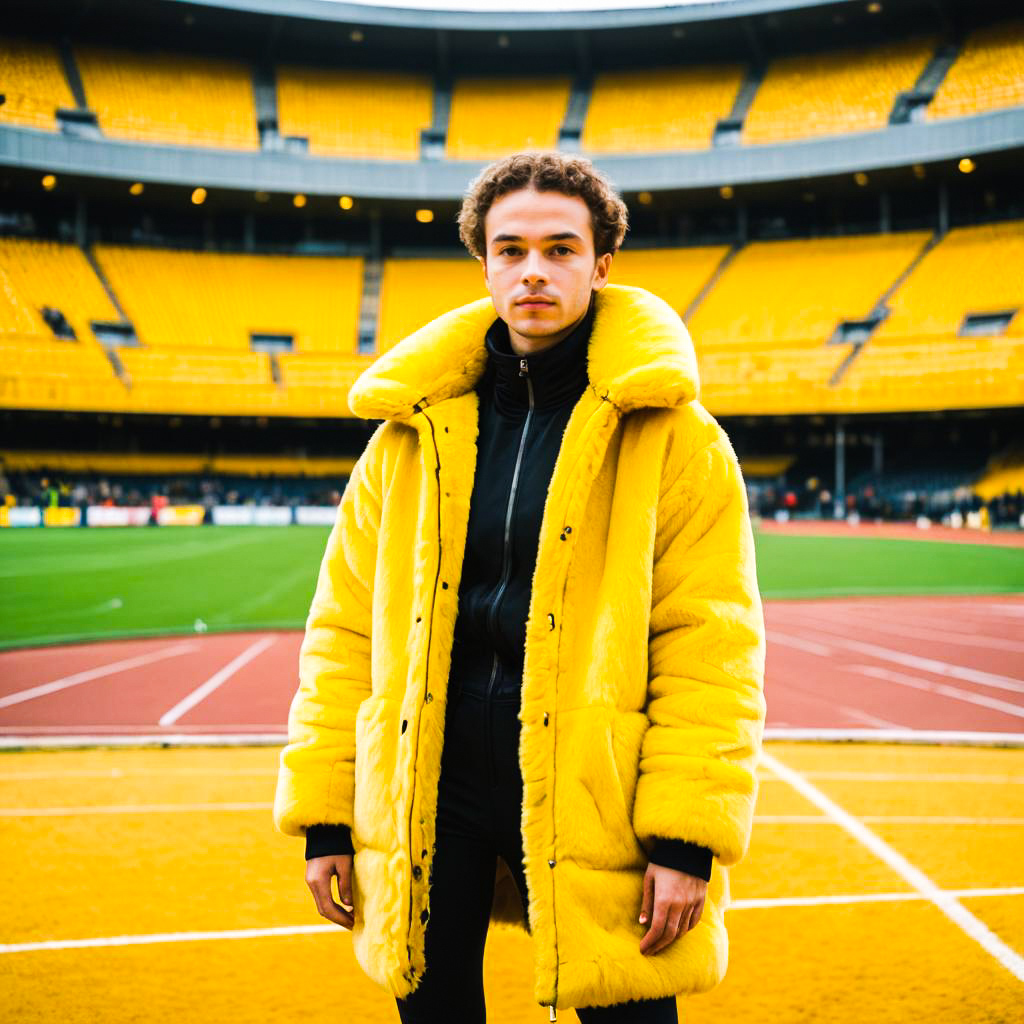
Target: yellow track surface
102,844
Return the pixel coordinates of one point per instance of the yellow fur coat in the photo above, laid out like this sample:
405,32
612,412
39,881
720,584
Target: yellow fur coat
642,702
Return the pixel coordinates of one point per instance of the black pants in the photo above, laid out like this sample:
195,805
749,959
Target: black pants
478,820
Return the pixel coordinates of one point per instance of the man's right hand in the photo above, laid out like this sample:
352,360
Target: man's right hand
319,872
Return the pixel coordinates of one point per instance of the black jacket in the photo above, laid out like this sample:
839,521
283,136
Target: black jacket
525,404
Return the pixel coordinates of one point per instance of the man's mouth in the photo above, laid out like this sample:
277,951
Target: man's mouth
534,303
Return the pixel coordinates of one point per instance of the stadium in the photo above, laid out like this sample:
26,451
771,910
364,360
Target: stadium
216,214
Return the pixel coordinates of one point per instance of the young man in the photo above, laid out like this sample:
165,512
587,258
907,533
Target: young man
531,684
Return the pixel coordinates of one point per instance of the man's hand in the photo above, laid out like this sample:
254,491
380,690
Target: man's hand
319,871
673,902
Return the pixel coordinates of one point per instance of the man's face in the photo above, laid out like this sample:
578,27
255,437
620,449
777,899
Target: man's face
540,265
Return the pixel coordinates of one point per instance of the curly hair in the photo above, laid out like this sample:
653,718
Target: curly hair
544,172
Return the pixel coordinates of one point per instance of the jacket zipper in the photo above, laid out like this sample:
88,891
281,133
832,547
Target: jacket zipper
492,612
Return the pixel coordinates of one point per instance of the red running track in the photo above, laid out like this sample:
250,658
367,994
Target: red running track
871,663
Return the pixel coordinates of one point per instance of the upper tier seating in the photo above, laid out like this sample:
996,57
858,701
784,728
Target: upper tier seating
491,117
836,92
988,74
172,98
33,83
355,113
664,109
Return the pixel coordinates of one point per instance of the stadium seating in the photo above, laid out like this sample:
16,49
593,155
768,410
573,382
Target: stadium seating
214,300
197,382
988,74
795,292
45,273
319,385
36,374
491,117
33,84
975,269
654,111
835,92
676,275
354,113
171,98
414,291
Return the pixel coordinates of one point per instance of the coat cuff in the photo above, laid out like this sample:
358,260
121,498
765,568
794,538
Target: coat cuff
681,855
328,841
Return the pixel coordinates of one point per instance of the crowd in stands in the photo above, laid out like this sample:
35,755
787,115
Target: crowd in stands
25,489
811,501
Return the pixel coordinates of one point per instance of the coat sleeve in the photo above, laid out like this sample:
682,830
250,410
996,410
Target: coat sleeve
705,702
316,776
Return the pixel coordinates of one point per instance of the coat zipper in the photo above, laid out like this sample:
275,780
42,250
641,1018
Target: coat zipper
492,612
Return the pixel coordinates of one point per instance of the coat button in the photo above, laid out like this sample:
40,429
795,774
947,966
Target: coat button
405,723
417,872
429,697
424,915
545,718
551,620
551,863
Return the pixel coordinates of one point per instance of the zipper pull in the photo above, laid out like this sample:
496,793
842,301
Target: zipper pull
524,367
552,1013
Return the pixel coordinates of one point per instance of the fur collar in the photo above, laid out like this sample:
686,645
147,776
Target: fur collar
640,354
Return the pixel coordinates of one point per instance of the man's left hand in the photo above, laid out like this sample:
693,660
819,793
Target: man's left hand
673,902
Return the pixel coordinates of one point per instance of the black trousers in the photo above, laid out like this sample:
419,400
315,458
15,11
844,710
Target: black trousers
478,820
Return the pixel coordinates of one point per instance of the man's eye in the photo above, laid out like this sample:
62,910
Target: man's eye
563,249
509,250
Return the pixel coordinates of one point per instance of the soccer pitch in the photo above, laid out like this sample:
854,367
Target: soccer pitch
65,585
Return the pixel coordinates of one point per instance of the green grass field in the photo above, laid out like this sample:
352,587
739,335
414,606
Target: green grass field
78,584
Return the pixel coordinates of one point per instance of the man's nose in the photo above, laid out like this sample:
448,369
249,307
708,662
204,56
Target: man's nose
533,269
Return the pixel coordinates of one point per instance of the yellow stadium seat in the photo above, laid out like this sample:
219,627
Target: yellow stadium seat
836,92
214,300
664,109
988,74
33,84
377,115
172,98
492,117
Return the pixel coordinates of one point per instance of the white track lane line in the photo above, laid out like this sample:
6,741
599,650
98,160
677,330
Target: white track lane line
909,629
865,719
942,689
884,819
972,926
821,650
933,665
312,929
992,780
97,673
202,692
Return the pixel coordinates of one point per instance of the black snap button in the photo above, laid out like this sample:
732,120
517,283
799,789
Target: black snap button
417,872
430,697
444,586
423,853
551,620
545,718
419,618
424,915
551,863
404,724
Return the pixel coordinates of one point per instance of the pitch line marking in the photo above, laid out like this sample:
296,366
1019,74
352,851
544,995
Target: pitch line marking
942,689
759,819
933,665
217,679
972,926
850,776
96,673
312,929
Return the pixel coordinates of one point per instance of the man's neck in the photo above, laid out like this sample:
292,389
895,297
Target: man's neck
524,346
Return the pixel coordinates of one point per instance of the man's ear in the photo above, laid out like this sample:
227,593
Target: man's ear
602,268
